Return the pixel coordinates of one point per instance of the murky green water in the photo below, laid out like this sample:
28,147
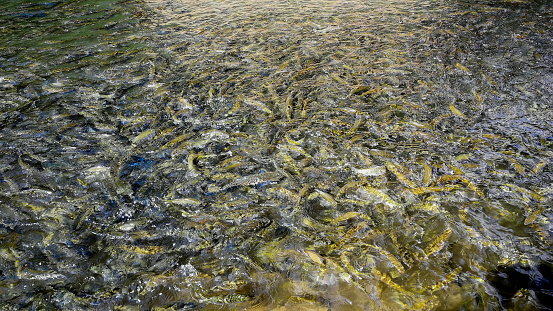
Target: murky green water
260,155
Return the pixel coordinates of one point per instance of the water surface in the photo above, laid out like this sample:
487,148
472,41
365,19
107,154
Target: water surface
217,155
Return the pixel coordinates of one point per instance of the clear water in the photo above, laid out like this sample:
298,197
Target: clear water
253,155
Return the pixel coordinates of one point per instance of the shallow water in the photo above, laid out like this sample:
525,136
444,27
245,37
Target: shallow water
218,155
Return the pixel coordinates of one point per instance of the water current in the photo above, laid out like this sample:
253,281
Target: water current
276,155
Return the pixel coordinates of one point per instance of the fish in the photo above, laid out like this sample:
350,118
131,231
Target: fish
472,186
382,153
224,176
349,215
338,79
293,142
463,215
304,105
419,124
349,185
429,207
257,104
283,66
285,194
145,250
478,96
492,136
356,126
384,278
380,195
236,106
254,179
540,166
543,233
461,157
351,269
440,118
361,89
290,162
463,68
456,111
236,159
371,171
457,170
536,196
519,168
447,178
185,201
315,257
143,136
489,79
372,91
447,279
308,68
427,176
351,232
402,178
327,197
411,104
191,166
289,107
425,84
390,257
438,243
533,216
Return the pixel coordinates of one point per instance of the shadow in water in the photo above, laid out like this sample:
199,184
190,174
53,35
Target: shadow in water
524,287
